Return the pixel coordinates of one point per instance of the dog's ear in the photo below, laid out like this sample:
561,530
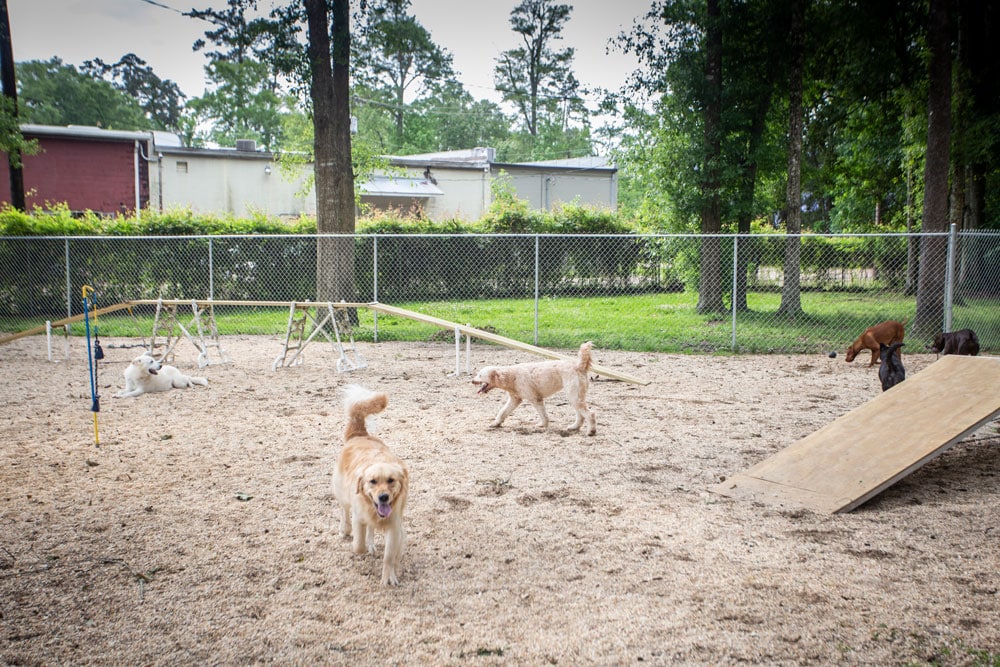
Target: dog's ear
361,485
404,482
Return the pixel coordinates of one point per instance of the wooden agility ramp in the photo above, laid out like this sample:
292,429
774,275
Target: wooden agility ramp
867,450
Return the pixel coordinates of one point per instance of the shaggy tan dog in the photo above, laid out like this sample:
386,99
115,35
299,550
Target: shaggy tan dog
536,381
371,484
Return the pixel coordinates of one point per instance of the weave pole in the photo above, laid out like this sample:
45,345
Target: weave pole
95,405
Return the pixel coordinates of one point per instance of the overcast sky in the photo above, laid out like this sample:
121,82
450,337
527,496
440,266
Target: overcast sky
474,31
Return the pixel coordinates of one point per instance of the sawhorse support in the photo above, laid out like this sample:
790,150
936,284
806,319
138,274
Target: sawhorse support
165,321
48,338
296,340
458,353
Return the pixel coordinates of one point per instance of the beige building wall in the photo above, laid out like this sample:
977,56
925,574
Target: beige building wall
246,182
467,194
546,189
233,183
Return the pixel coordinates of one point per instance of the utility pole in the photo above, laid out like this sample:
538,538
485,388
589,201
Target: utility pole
9,82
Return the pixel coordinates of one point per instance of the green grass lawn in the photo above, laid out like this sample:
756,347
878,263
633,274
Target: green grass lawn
652,322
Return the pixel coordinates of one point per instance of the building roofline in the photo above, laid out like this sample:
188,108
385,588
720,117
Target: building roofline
216,153
552,166
86,132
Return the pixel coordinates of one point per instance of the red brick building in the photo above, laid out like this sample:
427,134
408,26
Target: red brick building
88,168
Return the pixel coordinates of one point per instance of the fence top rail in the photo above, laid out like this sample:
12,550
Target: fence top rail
211,237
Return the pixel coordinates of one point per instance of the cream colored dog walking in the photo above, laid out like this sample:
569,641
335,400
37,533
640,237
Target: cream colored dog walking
534,382
371,484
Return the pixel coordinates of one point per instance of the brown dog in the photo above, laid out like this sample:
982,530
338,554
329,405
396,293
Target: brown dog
535,381
371,484
887,332
963,341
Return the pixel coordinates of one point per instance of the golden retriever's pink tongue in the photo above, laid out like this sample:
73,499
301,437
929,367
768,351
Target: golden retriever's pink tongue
485,388
384,510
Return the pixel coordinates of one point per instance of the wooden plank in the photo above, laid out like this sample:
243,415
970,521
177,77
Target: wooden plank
862,453
263,304
500,340
66,320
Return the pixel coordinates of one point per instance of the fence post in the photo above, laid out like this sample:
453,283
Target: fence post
537,280
949,276
211,272
375,287
732,295
69,287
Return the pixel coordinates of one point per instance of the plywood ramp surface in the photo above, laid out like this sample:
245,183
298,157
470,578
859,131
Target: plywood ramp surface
867,450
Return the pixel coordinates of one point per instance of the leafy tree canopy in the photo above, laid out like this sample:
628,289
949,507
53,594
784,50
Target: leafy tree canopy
12,142
536,78
244,99
55,93
162,100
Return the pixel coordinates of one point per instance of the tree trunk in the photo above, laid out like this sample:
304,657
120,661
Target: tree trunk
9,81
330,90
710,280
911,243
791,290
956,216
933,249
975,272
748,189
980,69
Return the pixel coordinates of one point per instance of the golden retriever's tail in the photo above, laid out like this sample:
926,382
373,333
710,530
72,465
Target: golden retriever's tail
584,357
358,404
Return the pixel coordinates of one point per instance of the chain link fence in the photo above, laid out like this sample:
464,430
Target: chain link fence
674,293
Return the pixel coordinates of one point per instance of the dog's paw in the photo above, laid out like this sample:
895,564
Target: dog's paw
390,579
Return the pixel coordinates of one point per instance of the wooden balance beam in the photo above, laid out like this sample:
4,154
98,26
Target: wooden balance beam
63,322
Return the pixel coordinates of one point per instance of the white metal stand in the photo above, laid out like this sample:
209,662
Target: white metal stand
334,316
458,353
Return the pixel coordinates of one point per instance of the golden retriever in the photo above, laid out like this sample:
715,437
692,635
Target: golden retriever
533,382
371,484
146,374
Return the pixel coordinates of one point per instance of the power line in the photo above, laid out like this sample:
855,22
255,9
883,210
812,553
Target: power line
161,6
169,8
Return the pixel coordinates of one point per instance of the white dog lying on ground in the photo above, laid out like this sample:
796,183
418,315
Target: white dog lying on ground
371,484
146,374
536,381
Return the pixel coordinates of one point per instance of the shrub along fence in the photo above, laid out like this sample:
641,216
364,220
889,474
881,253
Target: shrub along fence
633,291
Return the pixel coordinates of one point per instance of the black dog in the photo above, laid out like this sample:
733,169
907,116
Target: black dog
891,372
963,341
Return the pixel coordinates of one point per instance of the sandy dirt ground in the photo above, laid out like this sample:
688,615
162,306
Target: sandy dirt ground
202,529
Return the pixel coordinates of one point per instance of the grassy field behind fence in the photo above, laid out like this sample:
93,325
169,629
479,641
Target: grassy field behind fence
654,322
